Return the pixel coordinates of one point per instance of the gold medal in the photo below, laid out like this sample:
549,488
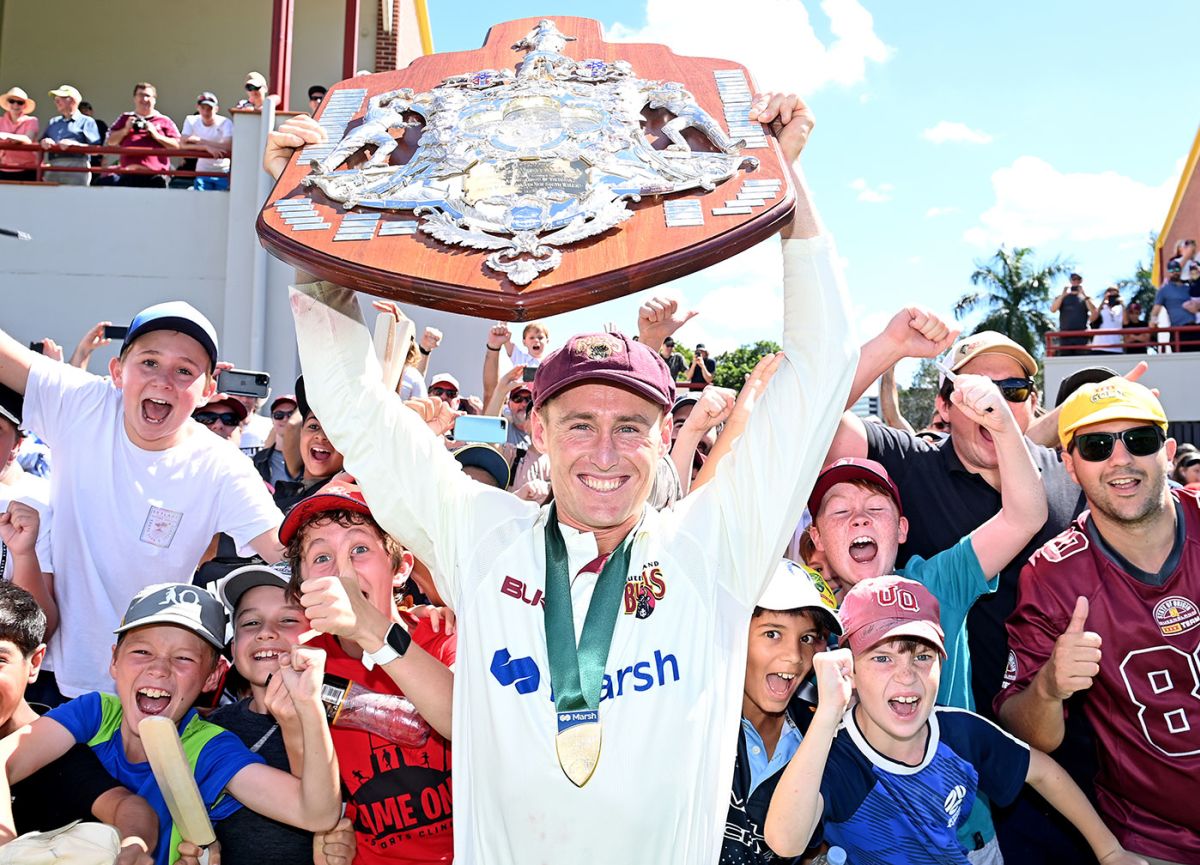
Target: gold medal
578,744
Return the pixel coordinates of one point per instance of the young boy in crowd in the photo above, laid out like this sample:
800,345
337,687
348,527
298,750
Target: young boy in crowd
345,569
166,655
793,620
267,623
858,527
139,489
534,338
890,776
75,786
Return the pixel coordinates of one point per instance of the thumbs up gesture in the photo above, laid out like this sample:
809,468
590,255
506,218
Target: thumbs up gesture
1075,661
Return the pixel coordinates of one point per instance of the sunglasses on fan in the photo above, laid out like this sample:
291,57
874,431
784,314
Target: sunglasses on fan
1096,447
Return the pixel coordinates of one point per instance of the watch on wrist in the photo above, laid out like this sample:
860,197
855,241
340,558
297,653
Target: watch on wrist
395,643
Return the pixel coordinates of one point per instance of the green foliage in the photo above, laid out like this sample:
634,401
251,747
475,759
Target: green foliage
917,400
734,366
1014,295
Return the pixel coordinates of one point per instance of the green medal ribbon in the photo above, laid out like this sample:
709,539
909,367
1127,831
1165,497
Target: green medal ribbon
577,672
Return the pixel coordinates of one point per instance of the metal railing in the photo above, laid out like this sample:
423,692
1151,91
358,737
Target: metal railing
1132,340
45,165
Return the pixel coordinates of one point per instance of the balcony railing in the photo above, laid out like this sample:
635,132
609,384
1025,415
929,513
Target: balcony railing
1132,340
181,153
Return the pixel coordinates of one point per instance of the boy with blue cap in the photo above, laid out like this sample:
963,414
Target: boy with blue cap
139,489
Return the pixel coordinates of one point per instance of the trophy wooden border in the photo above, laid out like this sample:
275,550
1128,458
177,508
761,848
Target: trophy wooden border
638,254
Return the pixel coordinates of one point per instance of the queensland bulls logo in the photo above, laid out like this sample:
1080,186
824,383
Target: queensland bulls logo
644,590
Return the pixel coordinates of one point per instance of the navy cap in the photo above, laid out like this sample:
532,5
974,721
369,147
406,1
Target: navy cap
180,316
487,458
11,405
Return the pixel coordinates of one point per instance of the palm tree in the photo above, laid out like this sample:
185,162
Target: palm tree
1015,295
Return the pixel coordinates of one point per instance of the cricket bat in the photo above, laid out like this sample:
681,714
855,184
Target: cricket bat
175,780
393,335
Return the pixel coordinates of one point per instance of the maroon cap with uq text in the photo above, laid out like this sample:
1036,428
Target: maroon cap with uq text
890,608
851,469
612,358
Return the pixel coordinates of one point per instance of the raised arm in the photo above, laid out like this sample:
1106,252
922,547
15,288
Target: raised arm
1022,494
912,332
19,527
15,360
889,402
797,804
498,337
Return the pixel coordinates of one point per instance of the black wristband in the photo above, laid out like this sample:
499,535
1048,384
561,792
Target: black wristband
489,348
421,349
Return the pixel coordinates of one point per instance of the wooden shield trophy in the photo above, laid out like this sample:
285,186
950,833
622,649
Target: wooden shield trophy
547,171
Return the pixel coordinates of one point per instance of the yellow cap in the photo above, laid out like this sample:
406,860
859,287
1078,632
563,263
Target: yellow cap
1115,399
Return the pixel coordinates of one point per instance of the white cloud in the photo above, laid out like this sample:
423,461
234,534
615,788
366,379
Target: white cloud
949,130
786,55
1036,204
872,194
934,212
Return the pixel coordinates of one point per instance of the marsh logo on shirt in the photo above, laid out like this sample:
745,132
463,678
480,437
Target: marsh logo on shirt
953,804
644,590
160,527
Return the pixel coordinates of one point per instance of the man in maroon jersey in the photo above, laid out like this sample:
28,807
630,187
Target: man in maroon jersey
1111,607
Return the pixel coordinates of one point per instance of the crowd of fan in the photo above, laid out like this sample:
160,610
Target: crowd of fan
1178,296
975,566
144,127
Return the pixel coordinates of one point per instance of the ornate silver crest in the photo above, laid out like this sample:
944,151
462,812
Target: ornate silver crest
524,162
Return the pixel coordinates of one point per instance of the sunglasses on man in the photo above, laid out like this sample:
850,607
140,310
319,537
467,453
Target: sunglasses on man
1012,389
208,418
521,399
250,88
438,390
281,414
1140,441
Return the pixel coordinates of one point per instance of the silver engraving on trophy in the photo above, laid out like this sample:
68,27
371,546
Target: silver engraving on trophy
523,162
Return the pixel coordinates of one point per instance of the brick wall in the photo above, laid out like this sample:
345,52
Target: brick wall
386,43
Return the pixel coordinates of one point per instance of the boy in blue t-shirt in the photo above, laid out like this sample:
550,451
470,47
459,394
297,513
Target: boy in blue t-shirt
165,657
890,776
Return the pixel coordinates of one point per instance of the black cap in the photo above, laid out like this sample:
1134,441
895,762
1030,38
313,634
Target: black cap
317,90
487,458
11,405
302,398
1077,379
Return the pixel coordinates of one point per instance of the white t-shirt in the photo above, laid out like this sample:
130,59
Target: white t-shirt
412,384
673,680
254,434
1111,318
125,518
221,130
35,492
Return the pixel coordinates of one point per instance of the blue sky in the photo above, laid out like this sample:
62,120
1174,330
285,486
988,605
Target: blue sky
943,130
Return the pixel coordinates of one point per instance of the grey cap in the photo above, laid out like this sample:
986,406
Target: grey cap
179,604
231,587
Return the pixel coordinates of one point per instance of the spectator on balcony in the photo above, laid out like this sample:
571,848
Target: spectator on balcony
1135,343
1189,267
675,362
1110,315
1073,307
18,125
703,367
1174,297
86,109
71,128
256,92
209,131
316,93
145,127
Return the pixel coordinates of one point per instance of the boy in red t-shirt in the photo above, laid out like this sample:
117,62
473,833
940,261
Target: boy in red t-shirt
345,569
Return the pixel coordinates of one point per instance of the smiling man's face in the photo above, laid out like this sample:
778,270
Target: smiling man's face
604,444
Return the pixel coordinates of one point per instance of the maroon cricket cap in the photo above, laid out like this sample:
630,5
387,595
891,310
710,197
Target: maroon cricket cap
889,608
851,469
341,493
612,358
